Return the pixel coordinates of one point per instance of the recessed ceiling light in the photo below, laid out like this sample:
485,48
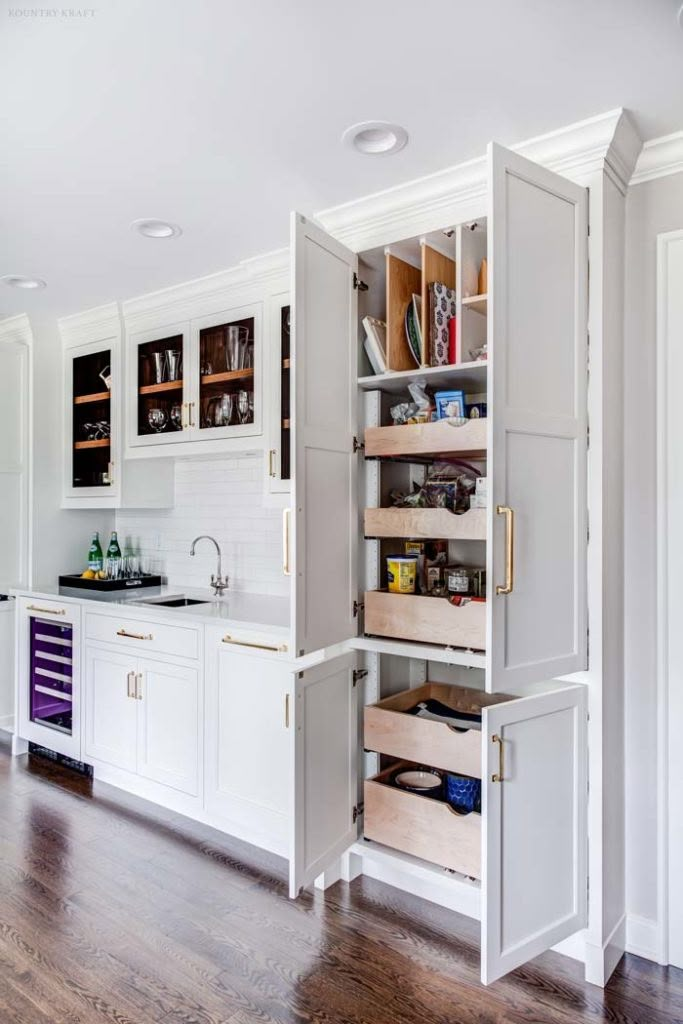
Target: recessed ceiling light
376,138
19,281
152,228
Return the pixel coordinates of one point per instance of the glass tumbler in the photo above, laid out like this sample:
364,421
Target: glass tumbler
238,339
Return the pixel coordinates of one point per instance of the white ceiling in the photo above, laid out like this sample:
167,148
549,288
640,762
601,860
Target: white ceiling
223,116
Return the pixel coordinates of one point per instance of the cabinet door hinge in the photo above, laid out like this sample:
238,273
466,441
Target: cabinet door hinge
358,446
359,673
357,811
359,285
588,435
358,606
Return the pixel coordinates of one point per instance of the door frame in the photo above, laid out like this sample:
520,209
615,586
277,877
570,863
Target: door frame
667,697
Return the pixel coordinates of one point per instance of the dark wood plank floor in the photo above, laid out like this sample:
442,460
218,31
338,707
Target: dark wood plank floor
112,910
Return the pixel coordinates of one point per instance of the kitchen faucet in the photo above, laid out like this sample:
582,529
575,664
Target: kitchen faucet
217,582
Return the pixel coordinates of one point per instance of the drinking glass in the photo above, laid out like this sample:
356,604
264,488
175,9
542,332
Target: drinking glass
157,419
173,363
243,406
158,366
224,410
176,417
238,338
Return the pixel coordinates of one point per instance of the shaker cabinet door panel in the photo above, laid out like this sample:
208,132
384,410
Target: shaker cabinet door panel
169,699
538,332
110,708
534,816
323,379
324,777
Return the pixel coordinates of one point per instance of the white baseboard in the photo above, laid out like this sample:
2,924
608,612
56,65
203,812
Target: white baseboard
601,960
642,937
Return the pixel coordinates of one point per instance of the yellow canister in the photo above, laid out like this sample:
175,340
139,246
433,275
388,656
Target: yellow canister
402,573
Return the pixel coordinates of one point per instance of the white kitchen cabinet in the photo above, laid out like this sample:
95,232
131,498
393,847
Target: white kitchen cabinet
94,473
249,694
278,405
142,715
110,706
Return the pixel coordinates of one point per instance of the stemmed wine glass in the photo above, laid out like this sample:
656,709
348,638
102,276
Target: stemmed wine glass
176,417
243,406
157,419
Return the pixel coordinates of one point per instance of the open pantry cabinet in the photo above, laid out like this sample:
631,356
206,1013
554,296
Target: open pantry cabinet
515,281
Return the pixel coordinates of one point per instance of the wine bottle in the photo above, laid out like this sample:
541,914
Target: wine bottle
95,560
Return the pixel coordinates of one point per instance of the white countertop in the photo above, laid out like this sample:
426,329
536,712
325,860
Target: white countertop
249,611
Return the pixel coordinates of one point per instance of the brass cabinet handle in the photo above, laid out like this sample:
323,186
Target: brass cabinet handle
227,639
110,473
138,685
183,418
190,407
499,776
45,611
286,567
286,711
504,510
134,636
271,462
130,688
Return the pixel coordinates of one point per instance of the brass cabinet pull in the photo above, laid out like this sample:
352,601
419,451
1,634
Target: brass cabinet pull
500,774
286,567
130,684
271,462
138,685
134,636
286,711
227,639
110,473
45,611
183,419
504,510
190,407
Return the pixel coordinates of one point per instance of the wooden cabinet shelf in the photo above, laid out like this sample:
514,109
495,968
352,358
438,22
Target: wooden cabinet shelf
228,376
426,619
478,303
103,442
98,396
158,389
286,363
425,523
422,439
471,377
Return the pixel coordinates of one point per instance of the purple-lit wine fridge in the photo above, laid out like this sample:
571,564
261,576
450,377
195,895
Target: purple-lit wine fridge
48,663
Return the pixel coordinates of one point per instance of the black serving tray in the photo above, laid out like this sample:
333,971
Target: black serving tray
108,586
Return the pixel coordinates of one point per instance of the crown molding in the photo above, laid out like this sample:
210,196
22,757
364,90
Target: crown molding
267,271
606,143
97,324
658,158
17,330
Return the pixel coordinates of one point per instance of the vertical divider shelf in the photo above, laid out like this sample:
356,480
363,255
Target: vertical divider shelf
436,267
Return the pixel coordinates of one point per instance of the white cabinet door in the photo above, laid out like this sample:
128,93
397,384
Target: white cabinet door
534,848
111,712
169,700
323,377
325,769
247,745
538,277
277,363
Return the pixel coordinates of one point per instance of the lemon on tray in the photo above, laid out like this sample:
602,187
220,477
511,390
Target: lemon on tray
89,574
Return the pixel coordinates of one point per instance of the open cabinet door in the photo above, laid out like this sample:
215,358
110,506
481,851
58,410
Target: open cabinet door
323,376
325,769
537,343
534,817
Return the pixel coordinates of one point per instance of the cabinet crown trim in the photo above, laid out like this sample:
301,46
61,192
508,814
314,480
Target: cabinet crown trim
17,329
608,142
101,323
659,157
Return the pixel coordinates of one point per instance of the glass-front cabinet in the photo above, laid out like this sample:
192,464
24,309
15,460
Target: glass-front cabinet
279,456
198,381
89,384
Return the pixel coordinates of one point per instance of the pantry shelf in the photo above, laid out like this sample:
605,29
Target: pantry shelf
425,523
228,376
103,442
471,377
441,437
429,619
477,303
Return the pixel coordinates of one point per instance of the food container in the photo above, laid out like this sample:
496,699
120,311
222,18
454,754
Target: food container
457,579
402,573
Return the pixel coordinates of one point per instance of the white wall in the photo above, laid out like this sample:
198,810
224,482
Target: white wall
652,207
224,498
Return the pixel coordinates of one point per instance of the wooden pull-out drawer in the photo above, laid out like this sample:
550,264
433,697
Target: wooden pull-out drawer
390,730
431,620
417,523
422,826
143,636
438,438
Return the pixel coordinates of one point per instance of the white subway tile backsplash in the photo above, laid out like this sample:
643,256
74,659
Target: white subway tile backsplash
223,498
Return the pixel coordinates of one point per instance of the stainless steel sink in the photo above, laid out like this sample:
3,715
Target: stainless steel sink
176,602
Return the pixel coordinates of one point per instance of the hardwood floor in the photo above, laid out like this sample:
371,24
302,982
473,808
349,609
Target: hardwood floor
113,910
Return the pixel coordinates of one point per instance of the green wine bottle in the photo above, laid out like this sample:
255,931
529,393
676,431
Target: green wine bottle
95,560
114,551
